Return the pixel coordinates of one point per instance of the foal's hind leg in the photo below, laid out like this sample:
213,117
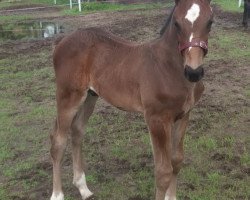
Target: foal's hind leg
67,106
78,125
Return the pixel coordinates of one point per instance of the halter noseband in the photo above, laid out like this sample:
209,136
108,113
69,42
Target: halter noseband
195,42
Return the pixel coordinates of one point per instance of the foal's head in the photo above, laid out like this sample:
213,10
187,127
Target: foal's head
192,20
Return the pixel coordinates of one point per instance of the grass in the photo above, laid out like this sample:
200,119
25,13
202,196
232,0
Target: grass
117,144
216,156
227,40
15,18
228,5
16,130
5,4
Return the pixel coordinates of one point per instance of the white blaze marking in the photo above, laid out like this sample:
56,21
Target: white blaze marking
83,188
191,37
193,13
58,196
190,40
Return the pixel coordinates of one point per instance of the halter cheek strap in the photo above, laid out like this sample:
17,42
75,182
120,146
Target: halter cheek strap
196,42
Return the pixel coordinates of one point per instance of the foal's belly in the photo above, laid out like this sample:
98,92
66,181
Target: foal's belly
131,106
120,97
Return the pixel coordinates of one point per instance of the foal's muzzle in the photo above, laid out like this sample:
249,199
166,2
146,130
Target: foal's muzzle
194,75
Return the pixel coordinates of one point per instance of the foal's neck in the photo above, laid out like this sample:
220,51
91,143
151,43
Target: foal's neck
168,44
169,37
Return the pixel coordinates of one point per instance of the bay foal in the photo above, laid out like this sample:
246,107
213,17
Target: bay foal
160,79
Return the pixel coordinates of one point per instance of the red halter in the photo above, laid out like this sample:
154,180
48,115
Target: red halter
195,42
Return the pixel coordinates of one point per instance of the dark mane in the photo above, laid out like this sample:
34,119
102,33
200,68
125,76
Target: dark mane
167,22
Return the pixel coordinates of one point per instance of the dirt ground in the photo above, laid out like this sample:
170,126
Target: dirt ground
225,88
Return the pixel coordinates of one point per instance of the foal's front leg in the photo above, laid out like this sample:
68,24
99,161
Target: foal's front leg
160,130
178,133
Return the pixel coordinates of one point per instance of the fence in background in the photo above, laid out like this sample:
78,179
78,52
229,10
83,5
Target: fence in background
78,2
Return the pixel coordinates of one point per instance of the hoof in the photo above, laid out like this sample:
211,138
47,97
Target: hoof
58,196
92,197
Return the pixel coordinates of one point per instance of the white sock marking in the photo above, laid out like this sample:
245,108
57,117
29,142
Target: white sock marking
169,198
57,196
193,13
83,188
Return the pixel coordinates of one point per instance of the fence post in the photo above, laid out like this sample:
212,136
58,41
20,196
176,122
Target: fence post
70,3
80,6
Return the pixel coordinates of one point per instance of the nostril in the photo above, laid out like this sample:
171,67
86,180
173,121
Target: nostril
193,75
186,72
